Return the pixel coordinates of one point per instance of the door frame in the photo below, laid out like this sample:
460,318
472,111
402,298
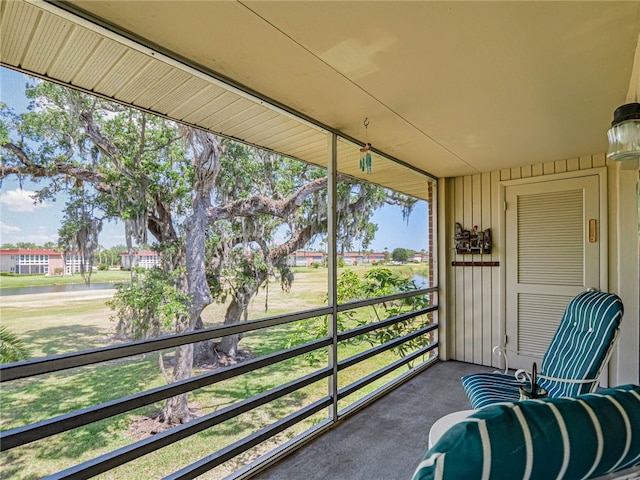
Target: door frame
603,232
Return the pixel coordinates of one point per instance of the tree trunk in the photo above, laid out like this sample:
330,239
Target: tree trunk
229,345
234,314
176,410
207,165
237,312
203,352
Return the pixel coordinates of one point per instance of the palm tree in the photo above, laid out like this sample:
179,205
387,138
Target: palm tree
12,349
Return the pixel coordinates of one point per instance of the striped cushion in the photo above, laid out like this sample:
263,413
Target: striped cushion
568,438
488,388
577,351
579,346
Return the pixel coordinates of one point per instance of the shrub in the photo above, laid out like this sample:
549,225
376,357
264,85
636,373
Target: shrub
12,349
149,305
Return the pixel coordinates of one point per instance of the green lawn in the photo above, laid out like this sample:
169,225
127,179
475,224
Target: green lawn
101,276
77,323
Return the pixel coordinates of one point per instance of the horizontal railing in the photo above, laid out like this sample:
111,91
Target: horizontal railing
39,430
55,363
383,323
377,375
372,352
131,452
36,431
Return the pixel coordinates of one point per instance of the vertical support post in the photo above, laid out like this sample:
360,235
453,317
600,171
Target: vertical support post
432,219
332,264
446,322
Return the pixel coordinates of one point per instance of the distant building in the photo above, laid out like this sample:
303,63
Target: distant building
142,259
73,263
361,258
49,262
302,258
22,261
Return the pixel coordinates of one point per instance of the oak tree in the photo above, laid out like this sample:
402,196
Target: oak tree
212,206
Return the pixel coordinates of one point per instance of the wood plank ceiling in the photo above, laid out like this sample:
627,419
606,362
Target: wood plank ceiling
450,88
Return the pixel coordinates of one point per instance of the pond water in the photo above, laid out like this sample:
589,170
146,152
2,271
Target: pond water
56,288
421,280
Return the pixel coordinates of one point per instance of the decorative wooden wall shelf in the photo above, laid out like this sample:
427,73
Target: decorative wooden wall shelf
475,264
472,241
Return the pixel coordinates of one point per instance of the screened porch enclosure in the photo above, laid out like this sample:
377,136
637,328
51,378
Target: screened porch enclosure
343,332
463,103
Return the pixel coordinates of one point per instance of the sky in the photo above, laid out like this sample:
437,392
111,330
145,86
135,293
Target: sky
22,220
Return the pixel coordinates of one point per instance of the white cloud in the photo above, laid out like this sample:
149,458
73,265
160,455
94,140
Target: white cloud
38,238
14,234
10,233
20,201
8,229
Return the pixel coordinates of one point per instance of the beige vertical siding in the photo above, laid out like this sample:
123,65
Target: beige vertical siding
474,303
624,267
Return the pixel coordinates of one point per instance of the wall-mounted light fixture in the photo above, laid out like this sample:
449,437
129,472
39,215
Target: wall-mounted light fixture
624,134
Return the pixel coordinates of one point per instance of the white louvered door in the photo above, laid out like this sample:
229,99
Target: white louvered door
552,254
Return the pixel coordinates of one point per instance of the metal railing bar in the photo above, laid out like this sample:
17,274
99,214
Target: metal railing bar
274,456
54,363
360,357
19,436
143,447
363,382
384,323
227,453
386,298
108,409
392,385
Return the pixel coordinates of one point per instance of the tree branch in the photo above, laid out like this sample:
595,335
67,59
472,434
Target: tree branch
31,169
18,152
159,223
297,241
102,142
261,204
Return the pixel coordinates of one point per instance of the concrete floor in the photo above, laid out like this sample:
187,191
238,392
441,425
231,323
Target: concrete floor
385,441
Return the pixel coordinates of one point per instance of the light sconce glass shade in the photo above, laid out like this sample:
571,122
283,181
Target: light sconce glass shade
624,134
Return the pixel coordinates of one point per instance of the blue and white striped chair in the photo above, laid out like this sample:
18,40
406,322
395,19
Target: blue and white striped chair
572,364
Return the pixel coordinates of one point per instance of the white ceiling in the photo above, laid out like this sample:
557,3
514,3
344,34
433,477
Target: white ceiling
452,88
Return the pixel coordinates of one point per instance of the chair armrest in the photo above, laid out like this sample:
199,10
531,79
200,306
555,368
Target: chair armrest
500,350
521,375
568,380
